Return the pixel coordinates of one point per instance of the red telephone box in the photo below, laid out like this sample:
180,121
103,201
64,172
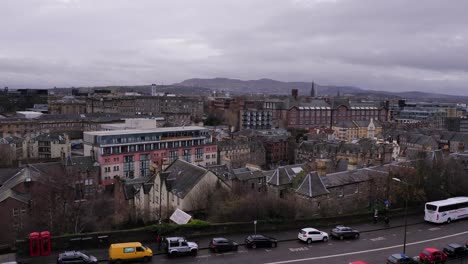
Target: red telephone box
34,244
45,243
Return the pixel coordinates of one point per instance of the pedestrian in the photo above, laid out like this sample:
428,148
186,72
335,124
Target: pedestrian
387,221
376,216
158,241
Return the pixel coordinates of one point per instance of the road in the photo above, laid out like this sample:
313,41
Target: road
374,247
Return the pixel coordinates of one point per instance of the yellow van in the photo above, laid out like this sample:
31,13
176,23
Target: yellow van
130,251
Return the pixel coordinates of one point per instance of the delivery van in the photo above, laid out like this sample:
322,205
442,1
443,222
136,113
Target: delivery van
129,251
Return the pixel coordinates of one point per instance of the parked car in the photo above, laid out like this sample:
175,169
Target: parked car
218,244
432,255
75,257
130,251
254,241
175,246
311,234
400,258
454,250
342,232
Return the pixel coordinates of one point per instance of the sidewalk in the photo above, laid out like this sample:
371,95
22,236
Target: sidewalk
288,235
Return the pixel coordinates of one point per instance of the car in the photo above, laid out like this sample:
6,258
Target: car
432,255
455,250
75,257
342,232
175,246
400,258
218,244
311,234
254,241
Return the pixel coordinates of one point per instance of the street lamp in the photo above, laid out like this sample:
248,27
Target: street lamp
406,210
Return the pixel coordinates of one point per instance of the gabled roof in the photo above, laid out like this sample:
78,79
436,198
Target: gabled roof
312,186
284,174
182,177
24,198
23,175
132,187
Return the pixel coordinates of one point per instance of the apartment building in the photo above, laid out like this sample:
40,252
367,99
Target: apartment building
131,153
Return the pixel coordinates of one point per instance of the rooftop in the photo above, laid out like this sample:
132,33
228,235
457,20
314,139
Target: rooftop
143,131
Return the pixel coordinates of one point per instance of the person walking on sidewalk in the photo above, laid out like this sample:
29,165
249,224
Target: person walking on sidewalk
376,216
158,241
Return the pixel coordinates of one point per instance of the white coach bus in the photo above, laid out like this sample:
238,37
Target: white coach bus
446,211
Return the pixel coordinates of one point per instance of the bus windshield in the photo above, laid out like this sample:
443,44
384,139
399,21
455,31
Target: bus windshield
431,207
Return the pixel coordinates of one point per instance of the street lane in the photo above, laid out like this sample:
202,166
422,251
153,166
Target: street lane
374,247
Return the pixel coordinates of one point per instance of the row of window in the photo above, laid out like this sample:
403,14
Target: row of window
453,207
153,146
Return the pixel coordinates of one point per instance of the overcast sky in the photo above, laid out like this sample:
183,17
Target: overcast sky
373,44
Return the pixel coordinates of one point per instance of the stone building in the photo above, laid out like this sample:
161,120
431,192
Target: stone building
39,196
49,146
238,153
345,192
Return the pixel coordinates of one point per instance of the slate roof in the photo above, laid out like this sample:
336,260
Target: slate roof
132,187
182,177
247,175
312,186
50,137
22,197
7,173
365,123
346,124
11,140
284,174
83,163
222,171
24,174
344,178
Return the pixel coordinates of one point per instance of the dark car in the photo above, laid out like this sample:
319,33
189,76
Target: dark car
342,232
75,257
401,259
218,244
454,250
254,241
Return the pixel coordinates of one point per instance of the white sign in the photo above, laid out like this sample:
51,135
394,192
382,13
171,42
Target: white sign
180,217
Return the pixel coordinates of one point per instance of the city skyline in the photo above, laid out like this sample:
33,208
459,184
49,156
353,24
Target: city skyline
376,45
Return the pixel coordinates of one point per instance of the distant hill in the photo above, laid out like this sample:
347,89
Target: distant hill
268,86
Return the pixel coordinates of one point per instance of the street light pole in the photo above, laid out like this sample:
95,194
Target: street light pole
406,210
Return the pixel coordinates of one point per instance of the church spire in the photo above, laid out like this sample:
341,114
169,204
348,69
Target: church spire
313,92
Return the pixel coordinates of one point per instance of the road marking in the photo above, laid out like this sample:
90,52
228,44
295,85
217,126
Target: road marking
434,228
378,239
367,251
298,249
203,256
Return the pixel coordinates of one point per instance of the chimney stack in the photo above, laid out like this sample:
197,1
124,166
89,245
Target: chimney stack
294,93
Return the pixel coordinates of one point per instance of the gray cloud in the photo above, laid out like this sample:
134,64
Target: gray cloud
375,44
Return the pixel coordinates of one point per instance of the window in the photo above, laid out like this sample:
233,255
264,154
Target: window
144,165
129,250
140,249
